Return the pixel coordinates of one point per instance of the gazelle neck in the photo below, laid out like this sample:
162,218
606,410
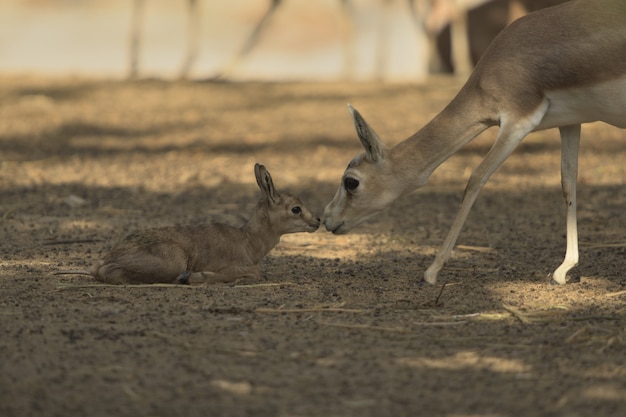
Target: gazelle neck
415,159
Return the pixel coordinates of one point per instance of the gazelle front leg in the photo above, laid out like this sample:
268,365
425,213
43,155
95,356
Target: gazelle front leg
570,140
508,139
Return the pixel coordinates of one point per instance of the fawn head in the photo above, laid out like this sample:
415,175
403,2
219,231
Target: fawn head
369,183
285,212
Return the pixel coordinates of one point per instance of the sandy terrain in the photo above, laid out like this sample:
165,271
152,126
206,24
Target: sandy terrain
338,326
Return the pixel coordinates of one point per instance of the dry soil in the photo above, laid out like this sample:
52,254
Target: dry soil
338,326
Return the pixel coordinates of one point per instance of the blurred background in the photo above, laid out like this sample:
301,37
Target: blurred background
305,39
200,39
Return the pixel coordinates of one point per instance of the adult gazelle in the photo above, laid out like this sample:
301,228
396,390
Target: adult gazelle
558,67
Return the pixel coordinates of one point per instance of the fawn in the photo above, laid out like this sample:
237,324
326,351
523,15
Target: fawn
209,253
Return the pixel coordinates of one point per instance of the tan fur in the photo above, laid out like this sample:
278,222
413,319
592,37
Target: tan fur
208,253
558,67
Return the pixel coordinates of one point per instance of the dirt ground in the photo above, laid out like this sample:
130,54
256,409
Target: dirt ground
338,326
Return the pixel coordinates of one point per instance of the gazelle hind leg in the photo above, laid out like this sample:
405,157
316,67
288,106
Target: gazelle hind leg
570,140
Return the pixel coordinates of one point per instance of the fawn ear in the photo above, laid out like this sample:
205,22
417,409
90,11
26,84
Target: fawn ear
374,147
264,179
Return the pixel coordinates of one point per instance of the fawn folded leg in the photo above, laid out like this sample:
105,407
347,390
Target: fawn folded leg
139,268
226,275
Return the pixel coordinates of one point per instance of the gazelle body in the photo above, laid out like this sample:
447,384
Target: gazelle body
208,253
558,67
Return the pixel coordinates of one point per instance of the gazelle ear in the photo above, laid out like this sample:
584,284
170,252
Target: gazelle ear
264,179
374,147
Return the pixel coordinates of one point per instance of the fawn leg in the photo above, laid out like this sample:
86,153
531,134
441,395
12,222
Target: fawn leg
140,268
210,277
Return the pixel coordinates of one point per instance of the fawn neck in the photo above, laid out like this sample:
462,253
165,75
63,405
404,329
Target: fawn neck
261,234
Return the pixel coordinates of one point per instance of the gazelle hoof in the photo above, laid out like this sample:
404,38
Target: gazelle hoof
571,280
566,273
430,276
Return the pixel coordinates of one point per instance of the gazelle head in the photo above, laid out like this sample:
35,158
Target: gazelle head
369,184
285,212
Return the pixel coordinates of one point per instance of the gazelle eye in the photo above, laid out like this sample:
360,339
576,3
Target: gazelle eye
350,183
296,210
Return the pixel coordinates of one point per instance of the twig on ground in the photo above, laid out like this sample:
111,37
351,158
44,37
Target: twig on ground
492,316
157,285
265,284
131,393
309,310
589,334
603,245
365,327
484,249
438,323
8,213
78,287
615,294
71,241
534,316
440,292
585,318
473,269
516,313
577,335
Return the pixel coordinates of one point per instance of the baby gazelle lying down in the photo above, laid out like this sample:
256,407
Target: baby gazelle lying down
209,253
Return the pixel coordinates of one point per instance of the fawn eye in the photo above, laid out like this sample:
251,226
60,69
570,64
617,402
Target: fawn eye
296,210
350,183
